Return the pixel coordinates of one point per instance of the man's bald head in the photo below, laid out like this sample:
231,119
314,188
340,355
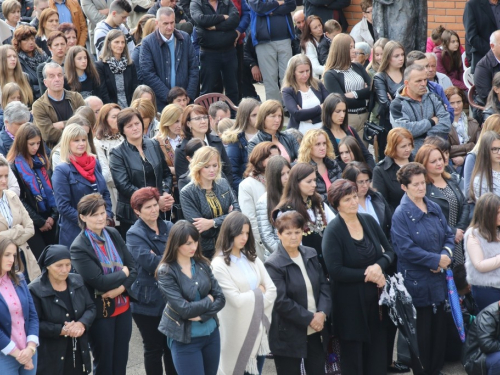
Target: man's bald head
495,43
299,19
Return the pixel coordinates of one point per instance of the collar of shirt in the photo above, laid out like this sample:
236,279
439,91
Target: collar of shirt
54,99
175,140
9,133
206,141
236,259
165,39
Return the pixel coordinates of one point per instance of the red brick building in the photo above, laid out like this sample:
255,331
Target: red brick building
446,13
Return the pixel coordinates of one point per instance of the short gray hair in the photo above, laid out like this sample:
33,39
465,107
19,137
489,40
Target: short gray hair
16,112
166,11
50,65
89,99
218,105
411,68
365,47
431,54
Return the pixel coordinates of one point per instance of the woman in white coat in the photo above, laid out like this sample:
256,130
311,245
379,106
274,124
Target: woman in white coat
254,186
250,294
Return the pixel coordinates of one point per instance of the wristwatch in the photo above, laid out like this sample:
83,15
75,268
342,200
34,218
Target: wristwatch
215,225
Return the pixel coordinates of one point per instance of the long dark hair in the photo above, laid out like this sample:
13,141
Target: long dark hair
306,33
455,56
18,264
20,146
483,167
70,68
483,219
352,145
292,197
231,228
274,187
329,106
178,236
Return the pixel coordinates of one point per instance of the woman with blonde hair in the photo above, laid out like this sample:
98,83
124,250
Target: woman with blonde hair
148,112
492,123
208,198
303,94
117,71
107,137
269,125
80,72
348,78
78,174
378,52
11,71
48,23
236,138
317,150
170,135
30,55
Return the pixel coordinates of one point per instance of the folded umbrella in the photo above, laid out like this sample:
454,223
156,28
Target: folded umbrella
402,313
454,301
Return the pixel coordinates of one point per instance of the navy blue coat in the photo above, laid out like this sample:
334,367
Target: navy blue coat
5,142
238,156
419,240
263,13
141,240
155,66
29,313
292,99
69,187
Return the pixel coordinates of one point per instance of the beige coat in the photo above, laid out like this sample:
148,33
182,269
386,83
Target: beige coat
21,231
246,317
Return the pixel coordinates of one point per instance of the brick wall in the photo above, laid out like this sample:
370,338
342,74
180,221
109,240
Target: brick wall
446,13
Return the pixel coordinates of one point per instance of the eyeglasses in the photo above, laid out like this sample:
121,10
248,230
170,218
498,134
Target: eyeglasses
199,118
495,150
365,182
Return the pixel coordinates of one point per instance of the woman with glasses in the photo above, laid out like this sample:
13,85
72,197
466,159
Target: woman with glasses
195,124
444,190
485,176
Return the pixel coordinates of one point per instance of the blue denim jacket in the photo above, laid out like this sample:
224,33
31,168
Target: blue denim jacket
419,239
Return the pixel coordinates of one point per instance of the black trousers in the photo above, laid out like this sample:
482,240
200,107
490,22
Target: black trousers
42,239
431,336
123,229
109,341
155,346
314,363
367,358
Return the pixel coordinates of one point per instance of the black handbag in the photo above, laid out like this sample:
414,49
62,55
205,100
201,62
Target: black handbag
176,214
371,130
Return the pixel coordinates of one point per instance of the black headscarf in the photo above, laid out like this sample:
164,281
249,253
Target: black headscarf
52,254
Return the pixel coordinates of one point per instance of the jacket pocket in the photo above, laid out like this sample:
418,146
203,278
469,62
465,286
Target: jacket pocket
172,315
146,294
415,285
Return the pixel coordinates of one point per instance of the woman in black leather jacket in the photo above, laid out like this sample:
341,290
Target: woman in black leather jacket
444,190
386,83
136,163
269,123
208,198
317,150
194,299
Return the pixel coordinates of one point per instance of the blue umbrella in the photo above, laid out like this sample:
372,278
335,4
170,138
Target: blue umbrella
454,300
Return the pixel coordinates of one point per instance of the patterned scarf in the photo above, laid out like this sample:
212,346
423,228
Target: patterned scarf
261,178
108,257
117,66
33,62
462,130
37,180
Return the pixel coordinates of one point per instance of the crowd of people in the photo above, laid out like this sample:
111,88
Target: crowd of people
225,236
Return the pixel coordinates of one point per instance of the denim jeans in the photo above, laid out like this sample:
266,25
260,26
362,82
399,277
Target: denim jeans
155,346
109,341
213,64
493,363
9,365
200,356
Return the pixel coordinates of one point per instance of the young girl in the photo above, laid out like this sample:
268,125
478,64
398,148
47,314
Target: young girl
80,72
349,150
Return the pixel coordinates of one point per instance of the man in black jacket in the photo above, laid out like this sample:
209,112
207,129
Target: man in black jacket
486,69
216,22
251,70
328,9
480,21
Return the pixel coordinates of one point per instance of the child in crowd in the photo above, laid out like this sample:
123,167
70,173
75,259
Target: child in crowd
331,28
223,125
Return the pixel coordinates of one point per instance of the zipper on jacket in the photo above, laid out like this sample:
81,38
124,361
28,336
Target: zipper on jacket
173,310
172,318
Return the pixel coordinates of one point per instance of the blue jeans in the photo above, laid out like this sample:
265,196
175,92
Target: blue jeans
485,296
200,356
9,365
493,363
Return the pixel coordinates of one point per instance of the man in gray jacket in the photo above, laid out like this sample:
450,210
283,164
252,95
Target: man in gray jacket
417,109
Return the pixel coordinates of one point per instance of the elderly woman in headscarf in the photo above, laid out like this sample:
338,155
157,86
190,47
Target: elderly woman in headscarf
65,311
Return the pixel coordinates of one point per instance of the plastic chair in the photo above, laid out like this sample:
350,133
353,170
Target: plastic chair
208,99
471,96
468,78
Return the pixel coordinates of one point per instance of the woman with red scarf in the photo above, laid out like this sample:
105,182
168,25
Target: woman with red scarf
30,164
78,174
